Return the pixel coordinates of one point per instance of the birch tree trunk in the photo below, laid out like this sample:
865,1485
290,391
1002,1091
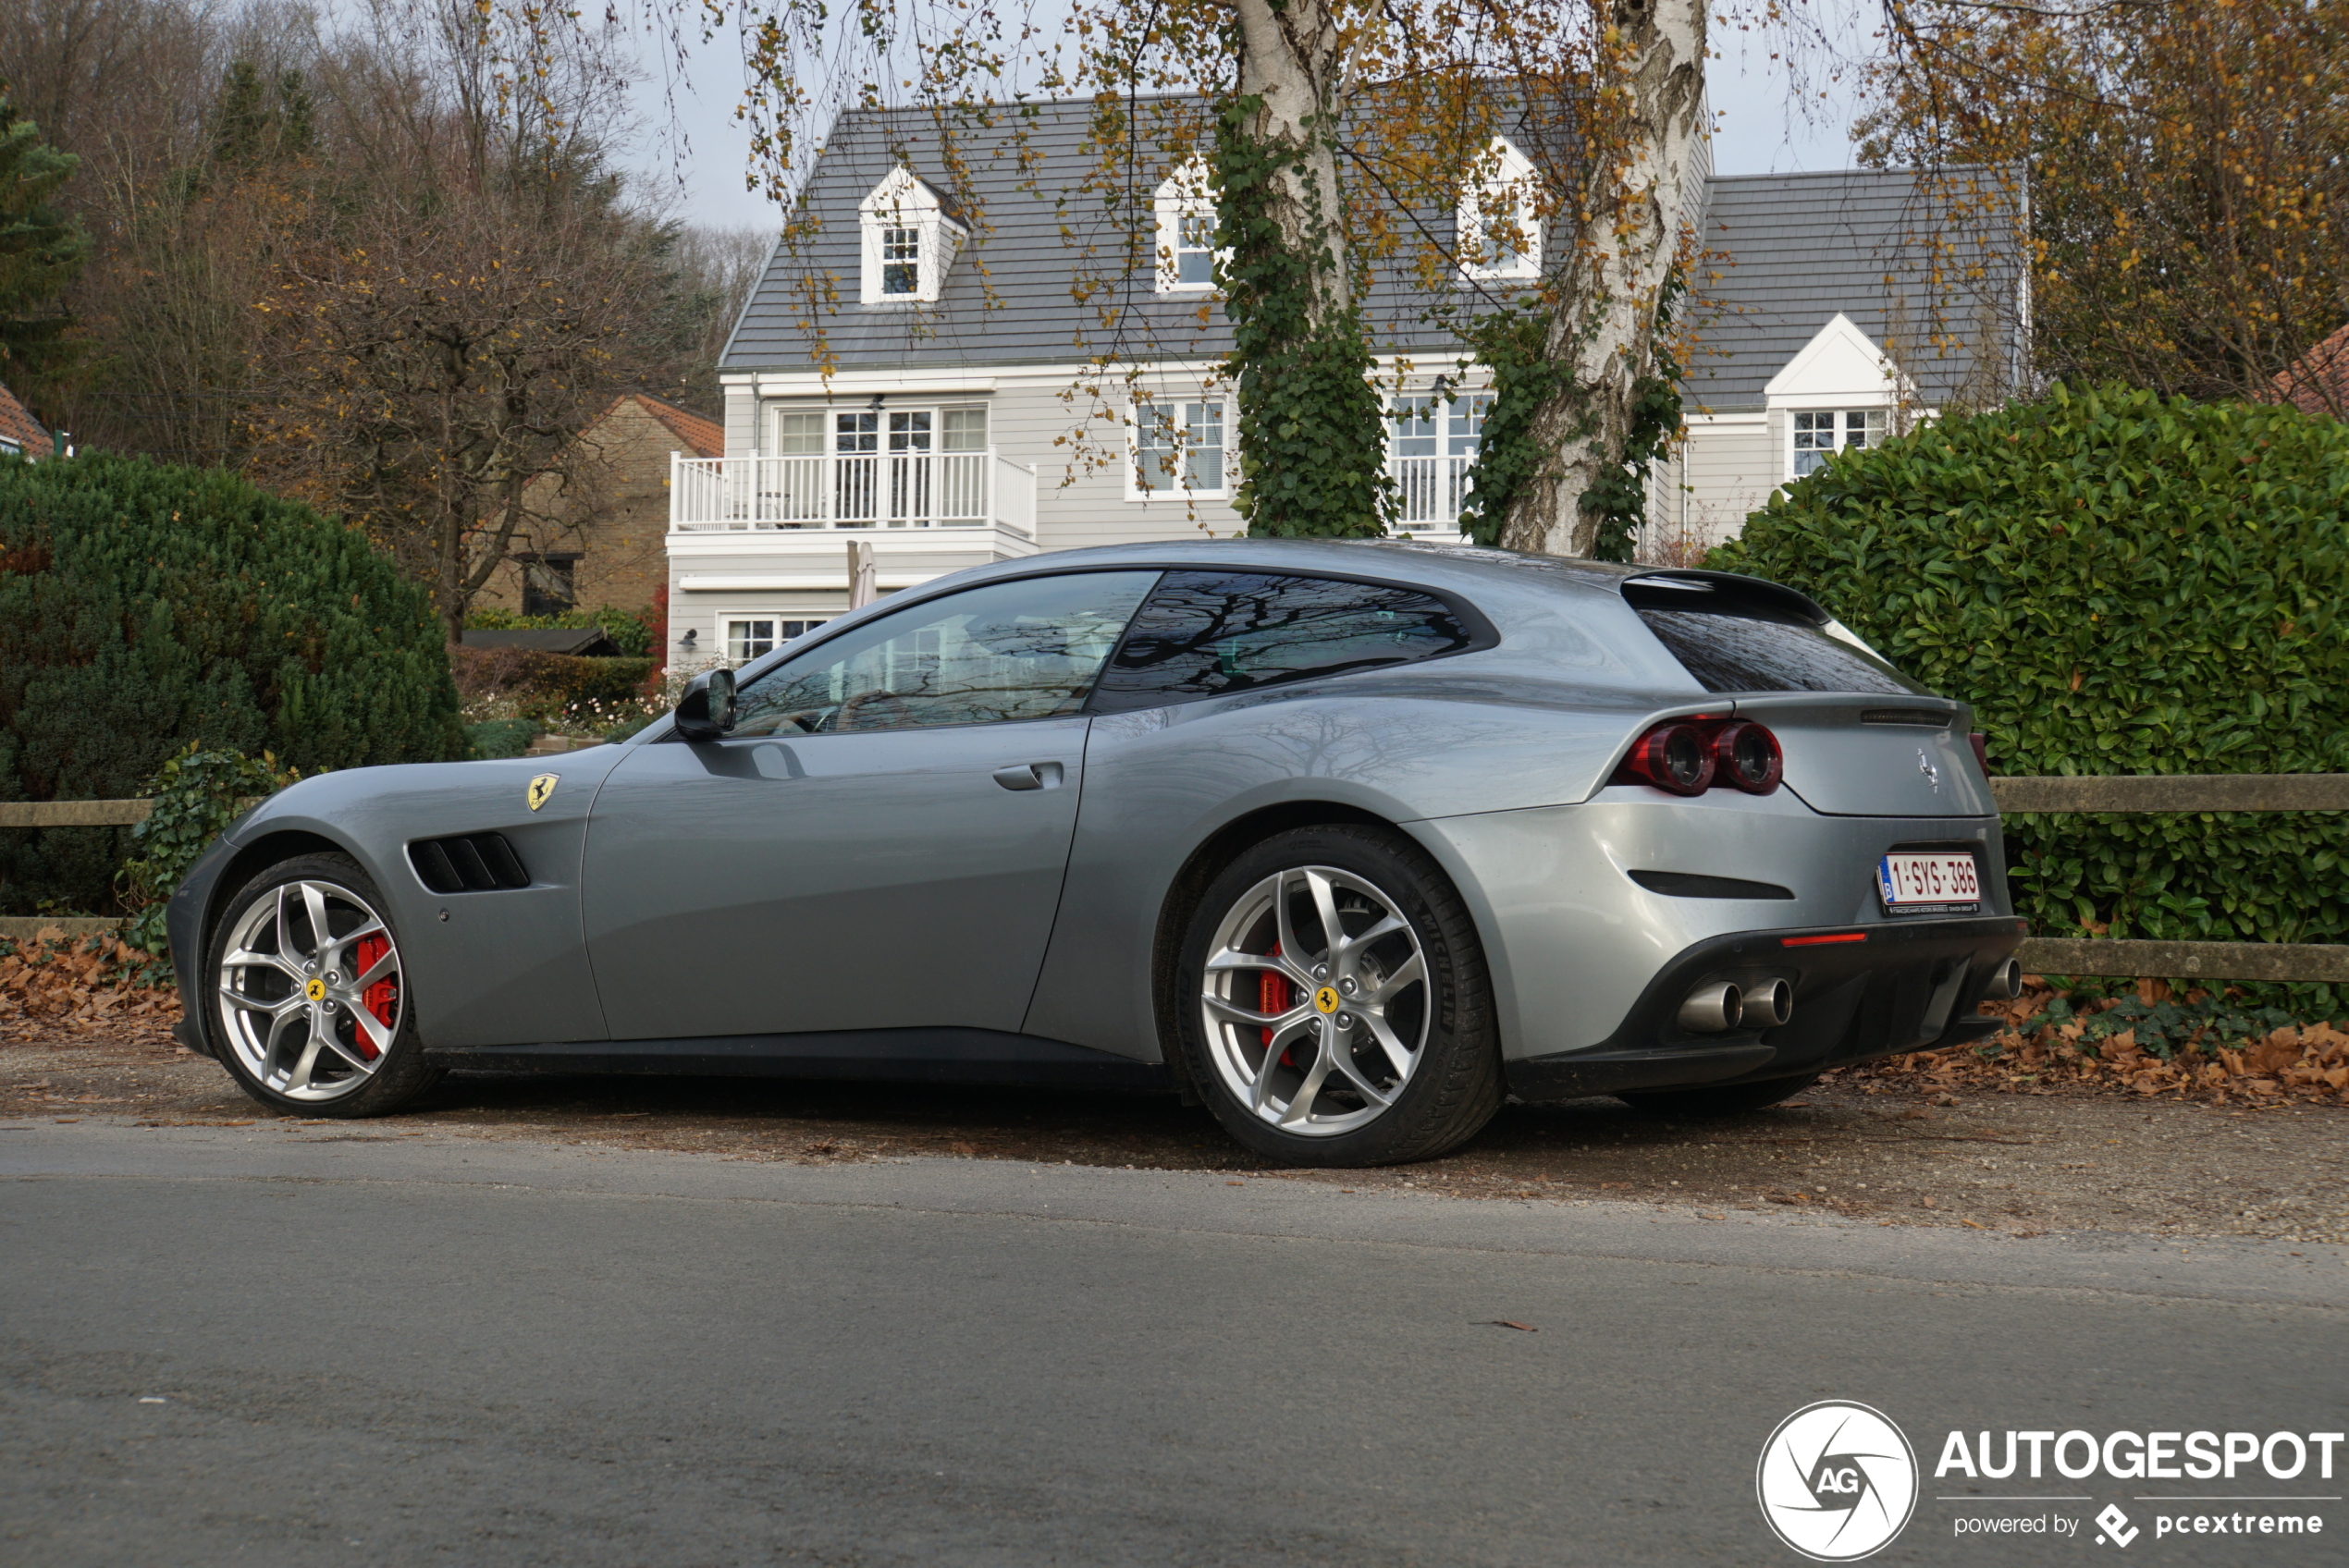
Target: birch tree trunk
1311,452
1631,222
1289,64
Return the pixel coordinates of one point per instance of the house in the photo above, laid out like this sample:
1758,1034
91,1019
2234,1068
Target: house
965,413
600,537
2319,384
20,434
1835,309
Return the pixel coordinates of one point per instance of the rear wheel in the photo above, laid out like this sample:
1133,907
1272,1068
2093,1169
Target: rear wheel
1731,1100
307,996
1336,1008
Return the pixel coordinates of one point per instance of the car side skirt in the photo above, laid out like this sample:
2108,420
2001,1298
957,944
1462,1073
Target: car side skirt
1910,985
918,1056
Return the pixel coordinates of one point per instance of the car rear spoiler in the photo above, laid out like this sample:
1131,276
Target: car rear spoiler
1690,588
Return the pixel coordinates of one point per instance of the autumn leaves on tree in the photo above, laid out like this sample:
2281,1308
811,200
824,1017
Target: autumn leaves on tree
2185,175
386,269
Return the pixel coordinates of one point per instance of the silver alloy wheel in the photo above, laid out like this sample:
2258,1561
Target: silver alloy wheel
1315,1002
310,991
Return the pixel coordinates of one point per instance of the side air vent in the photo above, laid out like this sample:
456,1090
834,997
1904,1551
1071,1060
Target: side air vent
474,863
1690,885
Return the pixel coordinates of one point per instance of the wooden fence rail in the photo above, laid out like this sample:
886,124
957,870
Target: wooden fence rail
2042,955
74,814
2176,792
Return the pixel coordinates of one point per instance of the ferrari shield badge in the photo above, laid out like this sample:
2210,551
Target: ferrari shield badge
542,788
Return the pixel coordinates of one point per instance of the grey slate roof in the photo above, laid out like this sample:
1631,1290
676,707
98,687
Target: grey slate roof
1805,246
1790,251
1035,234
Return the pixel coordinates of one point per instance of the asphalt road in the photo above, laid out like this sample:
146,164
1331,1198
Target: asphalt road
261,1346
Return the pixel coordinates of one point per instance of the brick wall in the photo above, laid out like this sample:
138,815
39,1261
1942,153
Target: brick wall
612,519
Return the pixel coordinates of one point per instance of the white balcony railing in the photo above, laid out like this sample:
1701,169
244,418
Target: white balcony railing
850,490
1434,491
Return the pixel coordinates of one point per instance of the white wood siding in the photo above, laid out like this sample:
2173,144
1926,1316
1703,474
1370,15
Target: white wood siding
1731,465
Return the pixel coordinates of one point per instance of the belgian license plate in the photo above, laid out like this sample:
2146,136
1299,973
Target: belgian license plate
1915,882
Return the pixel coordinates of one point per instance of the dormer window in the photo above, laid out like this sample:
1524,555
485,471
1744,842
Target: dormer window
1500,236
911,232
901,262
1186,209
1195,250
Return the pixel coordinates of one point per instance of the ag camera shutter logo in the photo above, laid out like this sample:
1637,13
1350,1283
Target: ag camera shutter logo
1837,1481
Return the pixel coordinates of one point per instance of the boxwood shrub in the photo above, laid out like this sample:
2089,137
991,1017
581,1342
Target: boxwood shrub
2120,583
144,606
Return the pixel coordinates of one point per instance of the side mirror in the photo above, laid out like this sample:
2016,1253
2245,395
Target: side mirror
707,711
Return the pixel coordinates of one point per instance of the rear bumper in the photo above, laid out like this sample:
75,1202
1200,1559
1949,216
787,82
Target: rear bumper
1907,985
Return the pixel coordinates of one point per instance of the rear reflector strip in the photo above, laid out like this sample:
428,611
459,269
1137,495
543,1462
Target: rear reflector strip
1822,941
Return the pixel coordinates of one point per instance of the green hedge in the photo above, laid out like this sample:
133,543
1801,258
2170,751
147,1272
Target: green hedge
2120,583
632,631
500,737
144,606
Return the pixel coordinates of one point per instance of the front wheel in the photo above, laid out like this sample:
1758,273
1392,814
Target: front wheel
1335,1006
307,997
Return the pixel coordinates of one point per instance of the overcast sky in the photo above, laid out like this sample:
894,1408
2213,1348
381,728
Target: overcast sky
1760,131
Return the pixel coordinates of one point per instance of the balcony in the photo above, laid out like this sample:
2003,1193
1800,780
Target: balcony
1433,489
824,491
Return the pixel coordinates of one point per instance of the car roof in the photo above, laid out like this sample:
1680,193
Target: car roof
1462,566
1480,571
1503,585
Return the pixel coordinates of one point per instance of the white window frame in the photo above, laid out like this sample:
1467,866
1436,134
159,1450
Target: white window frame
899,246
905,200
909,476
1180,487
1503,176
1184,193
729,619
827,425
1461,412
1874,420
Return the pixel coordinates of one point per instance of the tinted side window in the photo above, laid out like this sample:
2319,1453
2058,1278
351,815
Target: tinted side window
1024,649
1741,652
1204,633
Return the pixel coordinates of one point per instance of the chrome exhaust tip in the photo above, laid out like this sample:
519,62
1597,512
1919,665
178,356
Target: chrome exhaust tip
1710,1010
1768,1004
2006,981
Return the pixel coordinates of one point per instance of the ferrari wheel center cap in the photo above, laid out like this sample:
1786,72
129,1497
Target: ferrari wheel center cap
315,989
1325,1000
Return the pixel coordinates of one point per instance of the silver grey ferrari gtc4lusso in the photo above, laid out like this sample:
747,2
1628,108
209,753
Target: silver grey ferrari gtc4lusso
1348,841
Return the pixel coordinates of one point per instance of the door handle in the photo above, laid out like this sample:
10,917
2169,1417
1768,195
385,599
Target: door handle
1030,776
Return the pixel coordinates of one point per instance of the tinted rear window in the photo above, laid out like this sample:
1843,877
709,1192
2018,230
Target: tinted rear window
1205,633
1747,652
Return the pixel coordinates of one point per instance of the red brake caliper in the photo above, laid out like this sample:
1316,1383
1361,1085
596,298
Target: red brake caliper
1271,996
379,998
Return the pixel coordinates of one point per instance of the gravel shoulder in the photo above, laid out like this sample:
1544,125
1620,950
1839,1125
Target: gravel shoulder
2022,1164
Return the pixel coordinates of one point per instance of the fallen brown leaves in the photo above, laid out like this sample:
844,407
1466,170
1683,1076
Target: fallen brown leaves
2307,1063
81,985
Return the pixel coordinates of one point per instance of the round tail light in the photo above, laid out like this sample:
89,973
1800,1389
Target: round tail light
1747,756
1675,757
